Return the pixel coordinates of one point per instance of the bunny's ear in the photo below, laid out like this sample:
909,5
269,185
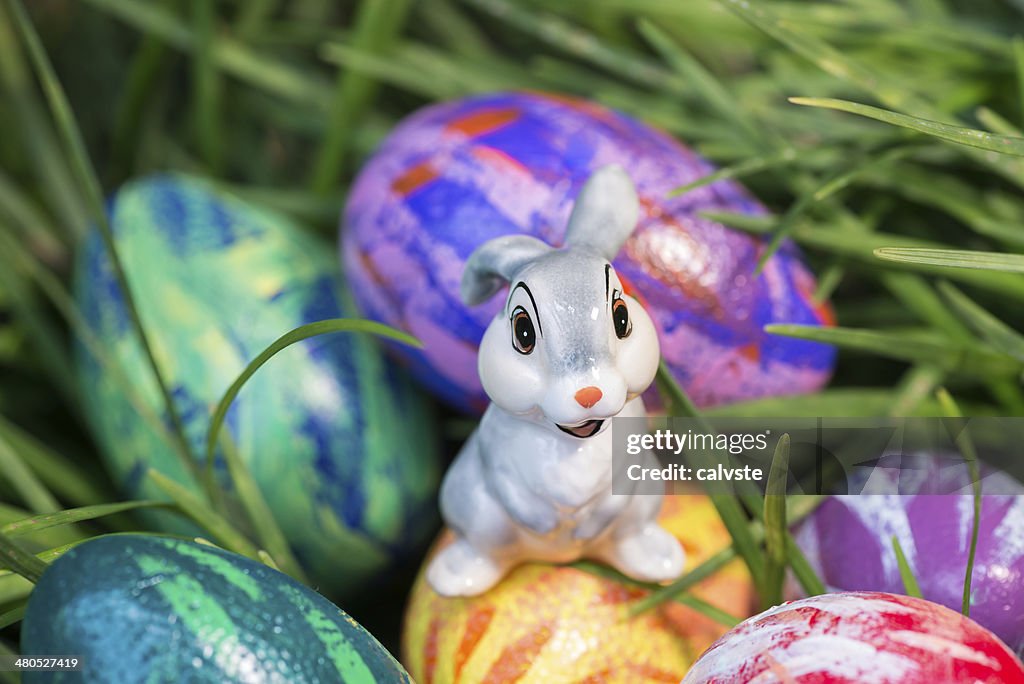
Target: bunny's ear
605,213
495,262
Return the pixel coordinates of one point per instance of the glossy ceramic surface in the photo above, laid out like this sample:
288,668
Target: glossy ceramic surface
568,351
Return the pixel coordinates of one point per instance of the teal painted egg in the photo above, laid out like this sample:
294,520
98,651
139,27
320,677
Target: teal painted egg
342,446
138,608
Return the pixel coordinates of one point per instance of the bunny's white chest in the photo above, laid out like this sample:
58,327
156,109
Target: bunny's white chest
566,472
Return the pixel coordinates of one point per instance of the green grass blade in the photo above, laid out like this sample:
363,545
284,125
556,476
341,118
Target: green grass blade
79,159
847,402
377,22
391,72
995,122
305,206
13,616
902,251
303,332
835,184
954,258
565,36
253,14
991,329
13,588
775,525
55,291
70,516
954,196
827,58
44,538
644,604
608,572
268,560
44,334
268,532
958,134
797,509
22,101
751,223
915,293
710,89
740,170
9,677
910,584
960,358
274,76
677,403
1010,396
781,549
199,512
1018,61
206,87
138,94
15,471
708,610
20,561
895,94
449,24
915,387
690,579
37,230
49,555
966,446
59,474
802,570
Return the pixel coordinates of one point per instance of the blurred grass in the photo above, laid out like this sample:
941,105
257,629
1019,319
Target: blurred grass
281,103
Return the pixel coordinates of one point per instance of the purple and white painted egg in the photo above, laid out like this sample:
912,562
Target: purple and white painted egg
457,174
848,540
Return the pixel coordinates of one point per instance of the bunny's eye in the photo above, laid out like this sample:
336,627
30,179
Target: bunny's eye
620,317
524,338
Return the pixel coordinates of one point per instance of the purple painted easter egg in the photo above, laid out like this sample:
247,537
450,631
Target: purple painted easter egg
848,540
456,174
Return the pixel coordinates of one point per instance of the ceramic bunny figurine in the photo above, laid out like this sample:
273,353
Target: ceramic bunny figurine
568,351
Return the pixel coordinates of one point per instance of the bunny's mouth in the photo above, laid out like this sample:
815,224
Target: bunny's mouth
583,430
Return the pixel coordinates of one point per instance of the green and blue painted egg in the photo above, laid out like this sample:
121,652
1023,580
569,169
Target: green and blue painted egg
341,445
139,608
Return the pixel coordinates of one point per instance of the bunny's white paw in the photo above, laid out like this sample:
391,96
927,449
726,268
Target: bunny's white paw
461,570
649,554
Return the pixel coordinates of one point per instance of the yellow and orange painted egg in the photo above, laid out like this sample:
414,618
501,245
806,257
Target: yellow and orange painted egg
555,624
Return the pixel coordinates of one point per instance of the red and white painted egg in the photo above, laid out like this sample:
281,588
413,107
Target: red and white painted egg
858,638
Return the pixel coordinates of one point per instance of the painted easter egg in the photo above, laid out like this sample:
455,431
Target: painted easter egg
342,445
140,608
457,174
858,637
546,623
848,540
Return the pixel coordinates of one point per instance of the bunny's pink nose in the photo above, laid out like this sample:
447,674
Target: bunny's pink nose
588,396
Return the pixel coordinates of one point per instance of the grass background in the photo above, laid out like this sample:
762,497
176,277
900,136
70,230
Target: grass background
280,102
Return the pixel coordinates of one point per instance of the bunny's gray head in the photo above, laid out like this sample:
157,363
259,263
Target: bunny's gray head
569,345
